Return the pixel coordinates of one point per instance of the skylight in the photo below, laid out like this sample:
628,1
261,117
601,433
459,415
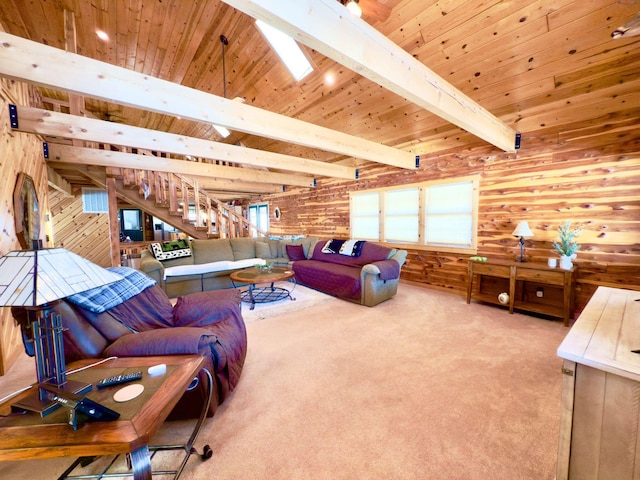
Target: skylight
222,131
288,51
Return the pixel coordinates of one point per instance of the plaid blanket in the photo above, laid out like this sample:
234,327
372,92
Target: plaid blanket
108,296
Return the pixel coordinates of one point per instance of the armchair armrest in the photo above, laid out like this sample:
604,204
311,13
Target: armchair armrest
162,341
152,267
387,269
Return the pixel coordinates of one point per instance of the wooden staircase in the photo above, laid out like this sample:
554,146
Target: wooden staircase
178,201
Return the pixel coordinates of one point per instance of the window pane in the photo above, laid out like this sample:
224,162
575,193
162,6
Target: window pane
402,202
452,230
401,229
365,228
452,198
365,216
259,216
94,200
365,204
263,217
401,222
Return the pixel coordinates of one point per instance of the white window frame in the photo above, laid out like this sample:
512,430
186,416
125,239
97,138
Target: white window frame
422,215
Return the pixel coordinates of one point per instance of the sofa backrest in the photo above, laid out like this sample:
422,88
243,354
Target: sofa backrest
214,250
174,262
243,248
371,252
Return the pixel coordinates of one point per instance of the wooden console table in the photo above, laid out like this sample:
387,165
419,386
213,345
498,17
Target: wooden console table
29,436
600,412
532,287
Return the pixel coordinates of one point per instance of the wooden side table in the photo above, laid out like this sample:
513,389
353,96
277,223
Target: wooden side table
30,436
532,287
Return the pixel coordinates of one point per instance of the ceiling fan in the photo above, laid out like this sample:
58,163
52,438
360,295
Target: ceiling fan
369,8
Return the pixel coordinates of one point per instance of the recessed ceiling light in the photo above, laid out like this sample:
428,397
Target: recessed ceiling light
102,35
330,79
354,8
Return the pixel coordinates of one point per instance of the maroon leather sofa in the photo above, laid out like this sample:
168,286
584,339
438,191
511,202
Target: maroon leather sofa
208,323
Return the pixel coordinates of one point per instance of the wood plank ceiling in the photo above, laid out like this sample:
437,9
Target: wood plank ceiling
534,64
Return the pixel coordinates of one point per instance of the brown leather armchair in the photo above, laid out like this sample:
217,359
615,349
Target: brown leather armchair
208,323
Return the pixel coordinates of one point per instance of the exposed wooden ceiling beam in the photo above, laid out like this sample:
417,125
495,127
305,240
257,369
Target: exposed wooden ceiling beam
223,185
329,28
106,158
222,189
228,196
46,122
25,60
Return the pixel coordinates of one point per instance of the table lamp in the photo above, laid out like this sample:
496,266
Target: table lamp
36,280
522,230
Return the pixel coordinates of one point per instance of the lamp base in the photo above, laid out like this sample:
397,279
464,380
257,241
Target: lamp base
34,403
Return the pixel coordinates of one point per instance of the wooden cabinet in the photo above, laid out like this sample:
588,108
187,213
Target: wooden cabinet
600,409
532,287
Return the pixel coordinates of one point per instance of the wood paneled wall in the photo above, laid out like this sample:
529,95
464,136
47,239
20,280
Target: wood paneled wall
592,180
18,153
86,234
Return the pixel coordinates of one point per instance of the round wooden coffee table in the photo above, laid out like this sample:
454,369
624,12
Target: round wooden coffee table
254,276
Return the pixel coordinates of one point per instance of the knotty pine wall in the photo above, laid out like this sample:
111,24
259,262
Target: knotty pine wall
19,152
593,181
86,234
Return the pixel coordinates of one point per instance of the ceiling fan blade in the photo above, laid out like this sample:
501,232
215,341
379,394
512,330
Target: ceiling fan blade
375,9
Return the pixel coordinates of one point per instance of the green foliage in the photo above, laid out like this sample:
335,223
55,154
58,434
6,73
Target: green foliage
566,244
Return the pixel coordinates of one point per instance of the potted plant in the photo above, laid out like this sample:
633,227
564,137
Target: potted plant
566,245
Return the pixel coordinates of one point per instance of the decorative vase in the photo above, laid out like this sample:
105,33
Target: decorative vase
565,262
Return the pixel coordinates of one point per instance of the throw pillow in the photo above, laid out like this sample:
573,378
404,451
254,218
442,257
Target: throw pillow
352,248
263,250
332,246
295,252
169,250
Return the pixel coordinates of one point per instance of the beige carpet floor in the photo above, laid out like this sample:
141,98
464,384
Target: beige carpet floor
422,386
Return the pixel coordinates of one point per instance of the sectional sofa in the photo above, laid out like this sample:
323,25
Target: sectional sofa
211,262
368,276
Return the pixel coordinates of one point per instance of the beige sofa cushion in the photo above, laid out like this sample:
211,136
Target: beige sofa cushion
263,250
207,251
243,247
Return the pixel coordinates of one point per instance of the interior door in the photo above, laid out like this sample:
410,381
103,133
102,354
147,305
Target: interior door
131,224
